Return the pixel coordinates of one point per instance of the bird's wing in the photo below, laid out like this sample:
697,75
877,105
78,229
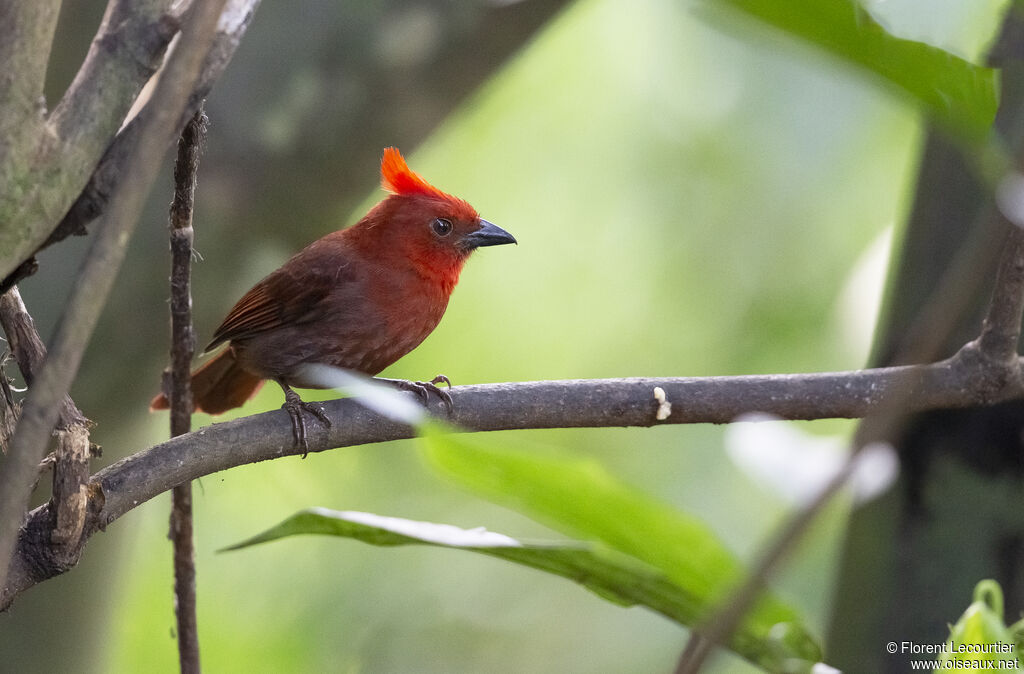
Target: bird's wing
292,294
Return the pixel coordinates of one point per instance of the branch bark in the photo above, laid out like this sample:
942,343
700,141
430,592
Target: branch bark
183,345
26,33
72,453
97,276
29,351
91,203
45,162
104,175
26,29
953,383
1000,331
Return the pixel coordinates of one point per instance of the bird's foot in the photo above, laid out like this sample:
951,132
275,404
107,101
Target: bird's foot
296,407
424,388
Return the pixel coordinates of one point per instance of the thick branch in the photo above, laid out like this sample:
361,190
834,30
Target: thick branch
549,404
26,32
97,276
127,50
92,201
45,165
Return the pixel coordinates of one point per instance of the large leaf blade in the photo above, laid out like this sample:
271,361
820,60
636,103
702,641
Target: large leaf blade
580,498
960,95
613,577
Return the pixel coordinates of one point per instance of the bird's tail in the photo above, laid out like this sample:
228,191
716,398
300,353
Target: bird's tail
218,386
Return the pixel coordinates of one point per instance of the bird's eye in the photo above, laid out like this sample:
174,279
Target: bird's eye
441,227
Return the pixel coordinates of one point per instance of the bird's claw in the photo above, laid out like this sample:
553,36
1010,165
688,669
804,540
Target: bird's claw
424,388
296,407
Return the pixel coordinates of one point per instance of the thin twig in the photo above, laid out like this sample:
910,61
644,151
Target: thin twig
183,345
10,409
725,621
97,276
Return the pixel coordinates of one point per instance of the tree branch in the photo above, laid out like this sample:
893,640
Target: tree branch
954,383
93,199
127,50
183,345
47,162
29,351
1000,333
26,34
72,454
97,276
26,29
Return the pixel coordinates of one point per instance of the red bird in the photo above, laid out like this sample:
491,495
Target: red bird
359,298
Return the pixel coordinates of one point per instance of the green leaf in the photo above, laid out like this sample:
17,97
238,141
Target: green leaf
582,499
614,577
980,637
960,95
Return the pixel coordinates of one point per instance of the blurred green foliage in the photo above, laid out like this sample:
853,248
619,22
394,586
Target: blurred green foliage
687,202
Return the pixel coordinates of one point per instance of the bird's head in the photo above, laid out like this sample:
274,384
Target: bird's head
434,230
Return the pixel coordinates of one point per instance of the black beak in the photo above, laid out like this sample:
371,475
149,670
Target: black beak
489,234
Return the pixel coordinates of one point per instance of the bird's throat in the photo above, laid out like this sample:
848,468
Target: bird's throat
441,271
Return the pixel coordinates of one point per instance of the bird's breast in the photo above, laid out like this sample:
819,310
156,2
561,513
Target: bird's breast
397,313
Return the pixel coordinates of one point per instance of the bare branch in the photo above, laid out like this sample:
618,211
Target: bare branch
29,351
10,409
1000,332
183,345
26,33
71,456
127,50
97,276
94,197
954,383
47,162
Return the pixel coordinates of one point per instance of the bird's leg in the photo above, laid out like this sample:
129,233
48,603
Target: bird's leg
424,388
295,406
